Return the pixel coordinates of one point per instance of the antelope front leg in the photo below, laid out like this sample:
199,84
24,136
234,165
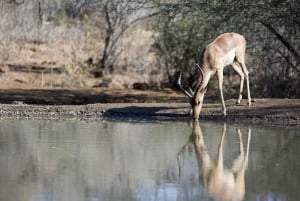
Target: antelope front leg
220,78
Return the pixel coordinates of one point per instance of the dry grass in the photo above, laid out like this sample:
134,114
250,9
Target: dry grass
69,46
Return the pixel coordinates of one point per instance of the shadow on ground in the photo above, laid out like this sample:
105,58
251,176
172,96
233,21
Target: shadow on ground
148,113
80,97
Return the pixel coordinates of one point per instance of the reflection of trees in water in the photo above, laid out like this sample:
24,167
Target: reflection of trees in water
18,167
75,160
273,164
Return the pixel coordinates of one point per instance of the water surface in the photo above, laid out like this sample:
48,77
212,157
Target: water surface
76,160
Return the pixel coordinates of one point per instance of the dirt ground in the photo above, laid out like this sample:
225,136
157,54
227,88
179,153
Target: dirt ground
93,104
35,81
23,95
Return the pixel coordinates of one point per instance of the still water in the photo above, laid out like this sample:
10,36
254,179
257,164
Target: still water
114,161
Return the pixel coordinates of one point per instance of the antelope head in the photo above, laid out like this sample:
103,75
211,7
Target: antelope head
195,96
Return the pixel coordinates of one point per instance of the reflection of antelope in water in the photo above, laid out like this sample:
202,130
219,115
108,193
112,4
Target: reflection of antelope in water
223,184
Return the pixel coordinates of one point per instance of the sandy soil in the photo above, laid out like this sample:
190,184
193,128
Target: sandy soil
167,105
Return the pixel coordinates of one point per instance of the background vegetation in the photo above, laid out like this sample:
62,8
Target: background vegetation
148,41
270,27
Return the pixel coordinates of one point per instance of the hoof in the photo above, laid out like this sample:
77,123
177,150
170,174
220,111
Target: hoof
249,105
224,115
238,103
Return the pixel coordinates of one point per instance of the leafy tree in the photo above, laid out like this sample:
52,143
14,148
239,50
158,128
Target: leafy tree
271,28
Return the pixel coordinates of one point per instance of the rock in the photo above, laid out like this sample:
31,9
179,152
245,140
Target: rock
4,69
140,86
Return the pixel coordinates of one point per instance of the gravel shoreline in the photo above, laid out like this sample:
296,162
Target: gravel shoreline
264,111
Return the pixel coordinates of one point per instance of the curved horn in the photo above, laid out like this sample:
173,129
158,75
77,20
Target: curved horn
189,95
201,71
198,81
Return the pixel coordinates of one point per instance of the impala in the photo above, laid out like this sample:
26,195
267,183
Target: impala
222,183
226,49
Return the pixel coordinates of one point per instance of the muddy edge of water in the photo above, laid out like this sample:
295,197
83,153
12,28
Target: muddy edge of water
263,111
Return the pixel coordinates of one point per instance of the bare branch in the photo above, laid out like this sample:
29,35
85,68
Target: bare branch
283,41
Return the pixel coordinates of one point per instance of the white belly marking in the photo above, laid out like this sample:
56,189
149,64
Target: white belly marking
228,58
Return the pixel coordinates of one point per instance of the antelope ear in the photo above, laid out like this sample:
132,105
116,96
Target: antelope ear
200,90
